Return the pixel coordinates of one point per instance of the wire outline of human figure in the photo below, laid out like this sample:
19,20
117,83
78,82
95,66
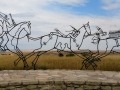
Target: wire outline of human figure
98,35
97,38
3,19
74,33
5,26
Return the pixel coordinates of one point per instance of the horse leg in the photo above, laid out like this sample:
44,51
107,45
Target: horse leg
26,57
1,46
97,56
17,61
35,60
21,58
78,56
20,54
84,61
89,61
37,57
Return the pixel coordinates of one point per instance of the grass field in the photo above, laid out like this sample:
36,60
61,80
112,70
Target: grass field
53,61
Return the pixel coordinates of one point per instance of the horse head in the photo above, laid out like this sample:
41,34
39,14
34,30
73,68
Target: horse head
87,30
28,30
20,30
25,28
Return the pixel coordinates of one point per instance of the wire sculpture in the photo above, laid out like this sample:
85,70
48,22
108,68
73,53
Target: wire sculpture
12,31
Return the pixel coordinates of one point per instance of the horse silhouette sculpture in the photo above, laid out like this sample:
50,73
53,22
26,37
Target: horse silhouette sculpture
12,33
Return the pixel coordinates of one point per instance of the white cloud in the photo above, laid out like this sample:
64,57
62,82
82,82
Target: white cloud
72,2
23,6
111,4
46,21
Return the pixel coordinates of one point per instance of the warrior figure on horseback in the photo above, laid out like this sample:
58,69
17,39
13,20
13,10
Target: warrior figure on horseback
11,34
5,24
71,35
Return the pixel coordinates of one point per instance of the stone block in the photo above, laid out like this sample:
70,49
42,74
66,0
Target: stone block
80,88
76,86
109,82
29,82
106,87
68,82
69,85
50,82
46,82
93,82
57,88
23,88
31,87
10,88
15,82
39,86
45,87
63,87
88,87
51,88
2,88
116,88
79,82
18,86
70,88
3,84
59,82
42,82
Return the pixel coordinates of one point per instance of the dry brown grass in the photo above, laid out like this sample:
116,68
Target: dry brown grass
53,61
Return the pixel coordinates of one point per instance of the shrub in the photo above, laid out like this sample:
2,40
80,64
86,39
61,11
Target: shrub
60,55
85,54
70,54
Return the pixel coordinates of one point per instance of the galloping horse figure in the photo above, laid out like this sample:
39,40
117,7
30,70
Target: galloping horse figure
96,39
107,42
111,41
54,42
12,32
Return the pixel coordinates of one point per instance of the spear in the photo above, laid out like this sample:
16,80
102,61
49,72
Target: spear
12,20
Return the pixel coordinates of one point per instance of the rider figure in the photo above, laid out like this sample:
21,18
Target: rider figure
72,35
5,25
97,35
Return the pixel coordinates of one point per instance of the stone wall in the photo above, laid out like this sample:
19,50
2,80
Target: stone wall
59,80
59,85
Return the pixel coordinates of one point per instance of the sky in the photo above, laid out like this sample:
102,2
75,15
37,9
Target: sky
46,15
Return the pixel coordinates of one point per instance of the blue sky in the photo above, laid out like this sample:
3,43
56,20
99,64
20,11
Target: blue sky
46,15
91,7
